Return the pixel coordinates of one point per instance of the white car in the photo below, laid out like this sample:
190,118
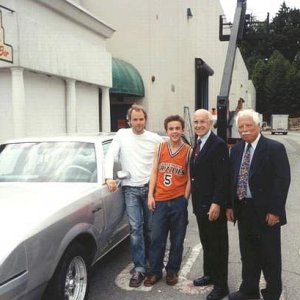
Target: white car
57,217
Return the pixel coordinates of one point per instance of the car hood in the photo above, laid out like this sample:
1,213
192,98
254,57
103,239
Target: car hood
27,208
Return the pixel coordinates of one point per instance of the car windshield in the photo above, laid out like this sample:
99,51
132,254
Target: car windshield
48,162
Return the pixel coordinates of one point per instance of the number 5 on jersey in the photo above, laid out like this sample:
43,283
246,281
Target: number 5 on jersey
167,179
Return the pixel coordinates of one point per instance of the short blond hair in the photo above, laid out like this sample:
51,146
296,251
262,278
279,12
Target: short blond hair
135,107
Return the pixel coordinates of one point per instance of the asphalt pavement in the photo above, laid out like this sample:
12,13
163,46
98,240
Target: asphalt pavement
111,275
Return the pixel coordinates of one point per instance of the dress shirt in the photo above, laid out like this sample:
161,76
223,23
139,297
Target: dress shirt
204,139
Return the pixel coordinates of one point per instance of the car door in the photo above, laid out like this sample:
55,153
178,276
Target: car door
116,226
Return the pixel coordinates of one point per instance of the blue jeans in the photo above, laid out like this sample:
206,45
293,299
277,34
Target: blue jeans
169,217
139,217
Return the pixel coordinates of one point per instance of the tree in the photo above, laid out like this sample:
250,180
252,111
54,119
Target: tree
272,55
276,88
285,31
294,88
258,77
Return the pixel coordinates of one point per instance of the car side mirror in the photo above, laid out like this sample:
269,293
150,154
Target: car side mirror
123,175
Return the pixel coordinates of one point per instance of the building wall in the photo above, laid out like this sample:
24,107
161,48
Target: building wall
45,104
54,42
88,106
160,40
58,39
242,87
251,97
6,119
46,40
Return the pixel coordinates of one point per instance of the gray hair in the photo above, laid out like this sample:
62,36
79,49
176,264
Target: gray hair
206,112
249,113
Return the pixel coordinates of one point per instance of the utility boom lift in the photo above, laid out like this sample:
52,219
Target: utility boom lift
235,37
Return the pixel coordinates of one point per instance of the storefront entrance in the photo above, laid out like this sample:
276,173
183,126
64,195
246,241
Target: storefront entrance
118,114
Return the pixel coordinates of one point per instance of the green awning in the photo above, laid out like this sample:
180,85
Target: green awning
126,79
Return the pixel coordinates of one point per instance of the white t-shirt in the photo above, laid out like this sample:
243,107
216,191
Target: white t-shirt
135,152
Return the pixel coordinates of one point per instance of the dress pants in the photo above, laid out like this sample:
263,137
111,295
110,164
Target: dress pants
214,240
260,248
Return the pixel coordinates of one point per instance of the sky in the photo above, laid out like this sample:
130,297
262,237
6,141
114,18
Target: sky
258,8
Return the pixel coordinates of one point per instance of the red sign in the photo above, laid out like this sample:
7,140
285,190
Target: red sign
121,123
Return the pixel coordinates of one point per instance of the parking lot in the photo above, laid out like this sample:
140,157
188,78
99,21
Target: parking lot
111,274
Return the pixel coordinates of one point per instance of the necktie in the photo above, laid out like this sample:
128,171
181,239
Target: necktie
243,174
197,149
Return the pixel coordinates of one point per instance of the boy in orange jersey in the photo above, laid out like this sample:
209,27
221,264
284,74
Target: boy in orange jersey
169,190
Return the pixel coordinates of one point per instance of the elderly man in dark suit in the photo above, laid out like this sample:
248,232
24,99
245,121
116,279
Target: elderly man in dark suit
260,179
209,168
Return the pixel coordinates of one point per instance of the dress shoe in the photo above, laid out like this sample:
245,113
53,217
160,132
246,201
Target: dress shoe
241,296
202,281
268,296
217,293
171,278
151,280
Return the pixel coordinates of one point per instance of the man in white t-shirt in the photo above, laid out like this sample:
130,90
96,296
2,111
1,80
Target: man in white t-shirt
134,147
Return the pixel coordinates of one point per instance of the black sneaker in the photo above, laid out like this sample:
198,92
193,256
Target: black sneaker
136,279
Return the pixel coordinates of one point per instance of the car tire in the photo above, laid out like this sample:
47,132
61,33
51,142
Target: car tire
71,278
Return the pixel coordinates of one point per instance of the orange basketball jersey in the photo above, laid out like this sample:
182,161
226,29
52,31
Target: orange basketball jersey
172,172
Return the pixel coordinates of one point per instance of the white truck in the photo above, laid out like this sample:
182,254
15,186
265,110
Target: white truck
279,124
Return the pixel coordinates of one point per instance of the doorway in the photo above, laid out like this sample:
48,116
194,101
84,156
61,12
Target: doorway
118,114
202,72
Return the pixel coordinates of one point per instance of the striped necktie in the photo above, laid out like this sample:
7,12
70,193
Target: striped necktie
197,149
243,174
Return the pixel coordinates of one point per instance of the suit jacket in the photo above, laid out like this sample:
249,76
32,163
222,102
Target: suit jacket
269,177
210,175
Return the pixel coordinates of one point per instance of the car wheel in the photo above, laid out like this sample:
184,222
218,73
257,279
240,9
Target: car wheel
70,280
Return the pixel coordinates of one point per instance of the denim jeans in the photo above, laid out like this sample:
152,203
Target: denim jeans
169,217
139,217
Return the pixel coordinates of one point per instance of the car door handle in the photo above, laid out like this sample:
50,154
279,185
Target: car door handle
96,209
